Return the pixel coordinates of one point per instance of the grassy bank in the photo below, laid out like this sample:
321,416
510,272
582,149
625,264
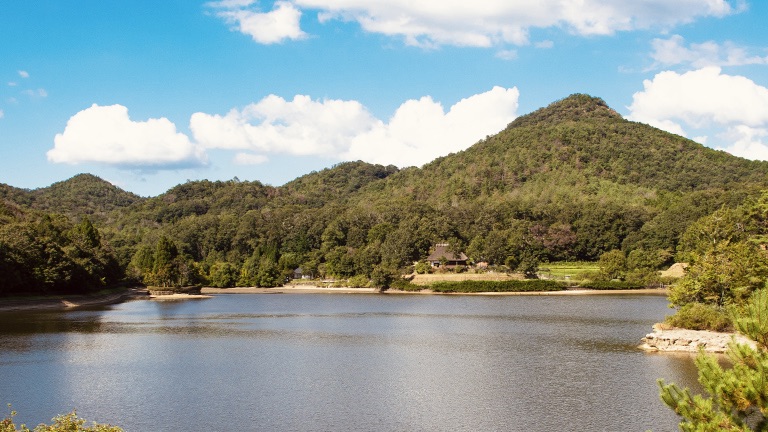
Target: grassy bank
474,286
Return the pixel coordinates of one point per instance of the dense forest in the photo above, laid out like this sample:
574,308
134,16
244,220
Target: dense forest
571,181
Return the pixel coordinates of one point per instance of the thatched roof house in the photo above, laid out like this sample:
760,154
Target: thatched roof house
442,256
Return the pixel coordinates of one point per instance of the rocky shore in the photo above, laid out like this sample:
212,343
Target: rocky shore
684,340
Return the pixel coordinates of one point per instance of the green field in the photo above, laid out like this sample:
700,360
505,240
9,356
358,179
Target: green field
571,271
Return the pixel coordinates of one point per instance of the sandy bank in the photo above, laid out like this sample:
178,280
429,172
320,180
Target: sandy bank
314,289
684,340
574,292
179,297
71,301
295,289
68,302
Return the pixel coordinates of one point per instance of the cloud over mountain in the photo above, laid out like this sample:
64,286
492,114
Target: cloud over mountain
732,107
419,130
107,135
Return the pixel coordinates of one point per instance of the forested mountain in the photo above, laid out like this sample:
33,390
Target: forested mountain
83,194
569,181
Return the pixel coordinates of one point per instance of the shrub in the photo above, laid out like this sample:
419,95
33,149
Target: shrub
63,423
611,285
423,267
699,316
405,285
497,286
359,281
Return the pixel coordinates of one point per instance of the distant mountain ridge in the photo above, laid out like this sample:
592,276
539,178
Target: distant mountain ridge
578,133
581,139
83,194
568,181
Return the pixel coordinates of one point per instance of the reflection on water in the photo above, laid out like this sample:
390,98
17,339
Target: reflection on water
345,362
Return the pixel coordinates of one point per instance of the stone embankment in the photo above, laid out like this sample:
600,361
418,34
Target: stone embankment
684,340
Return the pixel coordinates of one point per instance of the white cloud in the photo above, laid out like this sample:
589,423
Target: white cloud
507,54
701,97
484,23
39,93
23,74
747,142
249,159
282,23
732,108
673,51
12,84
298,127
2,113
419,131
106,134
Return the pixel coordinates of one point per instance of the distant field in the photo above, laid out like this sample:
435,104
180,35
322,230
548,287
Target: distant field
567,270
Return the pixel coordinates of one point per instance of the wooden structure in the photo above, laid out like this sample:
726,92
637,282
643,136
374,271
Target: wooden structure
443,257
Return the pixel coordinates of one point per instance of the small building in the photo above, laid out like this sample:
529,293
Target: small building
298,273
442,256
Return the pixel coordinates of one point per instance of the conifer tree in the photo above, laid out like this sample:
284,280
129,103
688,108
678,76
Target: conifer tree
737,397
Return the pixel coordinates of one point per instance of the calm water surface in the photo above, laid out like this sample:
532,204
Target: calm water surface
345,362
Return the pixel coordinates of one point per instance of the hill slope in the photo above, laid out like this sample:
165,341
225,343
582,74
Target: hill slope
83,194
569,181
582,142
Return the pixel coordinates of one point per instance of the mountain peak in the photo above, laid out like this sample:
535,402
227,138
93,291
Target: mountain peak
81,194
576,107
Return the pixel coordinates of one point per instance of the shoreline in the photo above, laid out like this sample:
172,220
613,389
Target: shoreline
178,296
678,340
64,302
74,301
314,289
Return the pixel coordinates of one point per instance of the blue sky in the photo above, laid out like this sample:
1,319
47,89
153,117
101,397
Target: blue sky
150,94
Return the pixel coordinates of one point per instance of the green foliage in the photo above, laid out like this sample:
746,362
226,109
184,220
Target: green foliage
698,316
51,256
613,265
724,226
423,267
163,265
736,397
496,286
611,285
727,273
81,195
359,281
63,423
269,275
571,181
528,265
383,276
223,275
403,284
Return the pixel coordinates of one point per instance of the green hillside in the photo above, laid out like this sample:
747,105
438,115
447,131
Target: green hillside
83,194
569,181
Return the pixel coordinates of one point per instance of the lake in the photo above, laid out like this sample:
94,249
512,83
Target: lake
335,362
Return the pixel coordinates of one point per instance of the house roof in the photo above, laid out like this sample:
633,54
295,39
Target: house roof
441,251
